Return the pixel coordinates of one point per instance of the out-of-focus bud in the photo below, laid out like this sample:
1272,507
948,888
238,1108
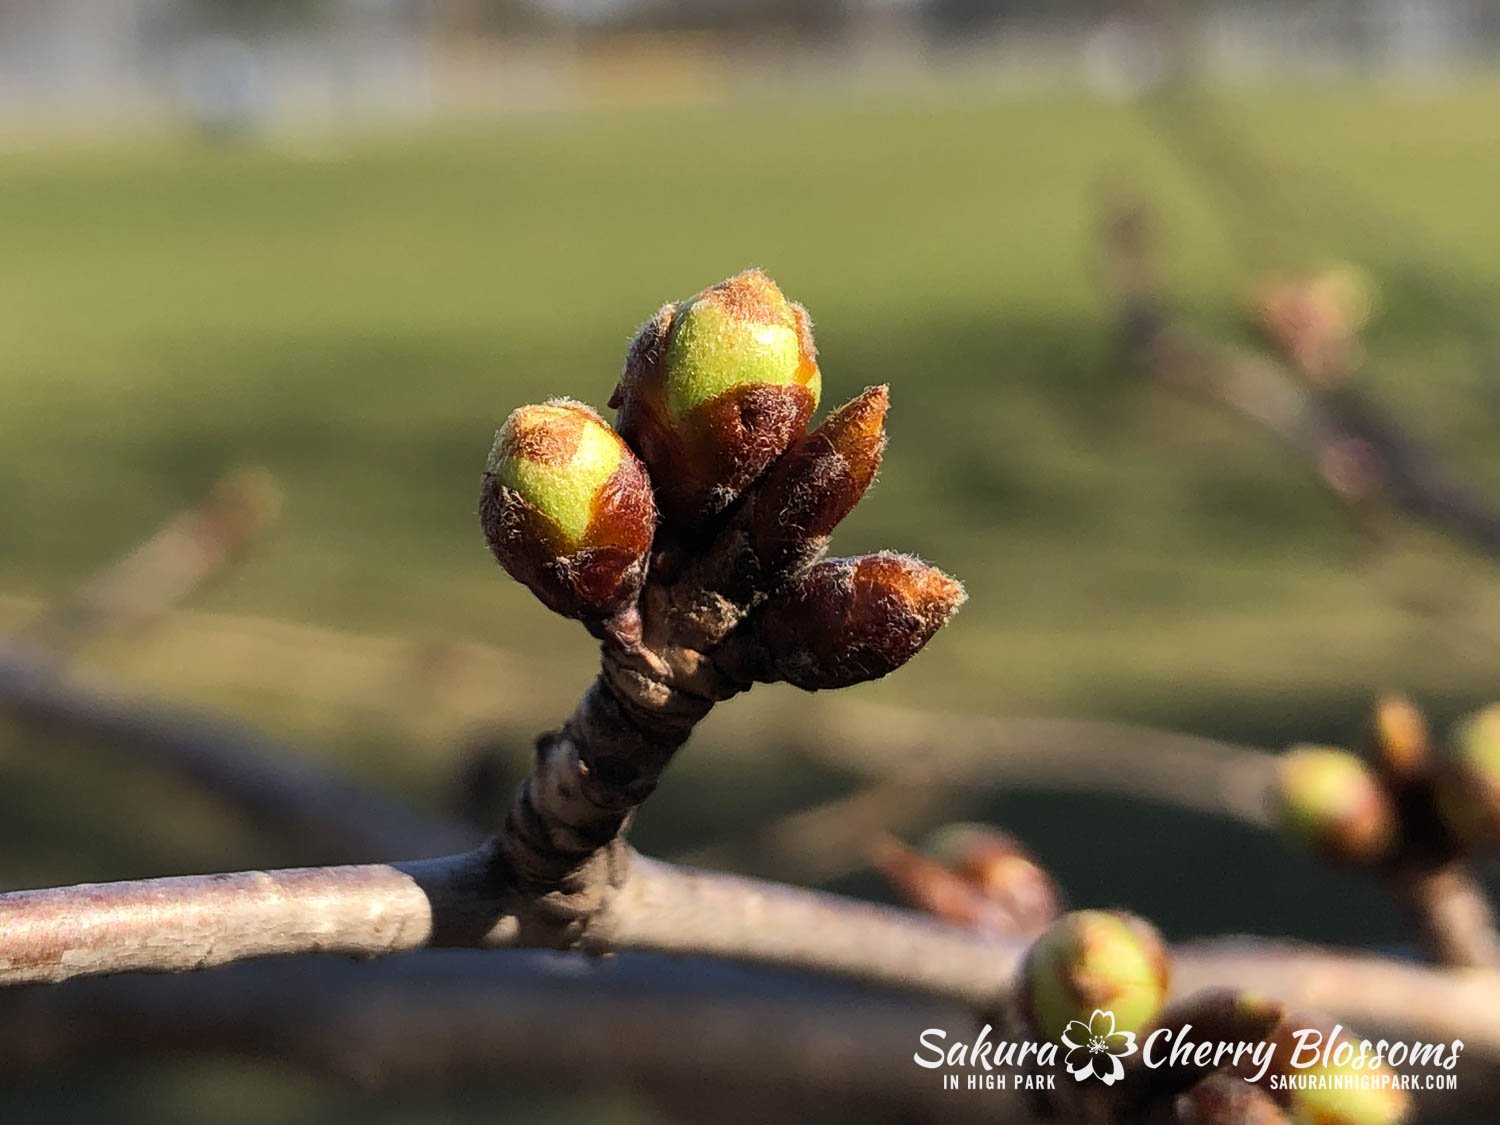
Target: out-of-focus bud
1332,803
1227,1099
567,510
1468,780
1403,745
1317,319
714,389
1215,1015
1339,1081
973,876
817,482
1000,868
1094,961
852,620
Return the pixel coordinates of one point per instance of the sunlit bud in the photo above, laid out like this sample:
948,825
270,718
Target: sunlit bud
714,389
1468,779
1338,1080
972,876
851,620
1094,960
817,482
1402,742
1331,802
567,510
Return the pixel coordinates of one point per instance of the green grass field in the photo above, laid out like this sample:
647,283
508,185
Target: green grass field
360,314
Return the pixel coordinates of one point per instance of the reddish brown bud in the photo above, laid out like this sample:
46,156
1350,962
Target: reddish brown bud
973,876
1468,780
567,510
1403,745
1332,803
817,482
852,620
1227,1099
714,389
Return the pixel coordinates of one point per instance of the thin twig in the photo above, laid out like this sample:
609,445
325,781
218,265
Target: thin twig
330,815
1359,450
1452,913
186,551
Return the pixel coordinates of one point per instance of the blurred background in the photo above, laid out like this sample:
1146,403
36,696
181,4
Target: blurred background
342,239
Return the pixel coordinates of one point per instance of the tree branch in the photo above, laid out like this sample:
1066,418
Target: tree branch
187,550
330,814
768,1045
1451,912
1359,450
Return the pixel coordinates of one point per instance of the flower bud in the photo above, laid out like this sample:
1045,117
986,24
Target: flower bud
1402,742
1332,803
1094,960
973,876
1317,319
1468,780
1000,868
852,620
817,482
1343,1085
714,389
567,510
1226,1099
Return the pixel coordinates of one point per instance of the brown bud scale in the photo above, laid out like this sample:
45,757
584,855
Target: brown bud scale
852,620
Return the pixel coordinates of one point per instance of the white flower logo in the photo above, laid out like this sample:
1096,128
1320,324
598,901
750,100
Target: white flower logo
1096,1048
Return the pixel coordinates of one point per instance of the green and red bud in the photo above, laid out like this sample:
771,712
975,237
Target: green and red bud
817,482
1468,780
852,620
1094,960
1403,744
1338,1080
1331,802
567,510
714,389
973,876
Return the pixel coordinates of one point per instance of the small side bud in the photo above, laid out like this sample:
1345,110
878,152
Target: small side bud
1094,961
1331,802
714,389
817,482
973,876
852,620
1468,780
1403,745
998,865
567,510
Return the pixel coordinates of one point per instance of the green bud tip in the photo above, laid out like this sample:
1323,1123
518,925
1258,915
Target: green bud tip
557,456
1095,960
1332,802
714,389
1401,737
739,332
1468,781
